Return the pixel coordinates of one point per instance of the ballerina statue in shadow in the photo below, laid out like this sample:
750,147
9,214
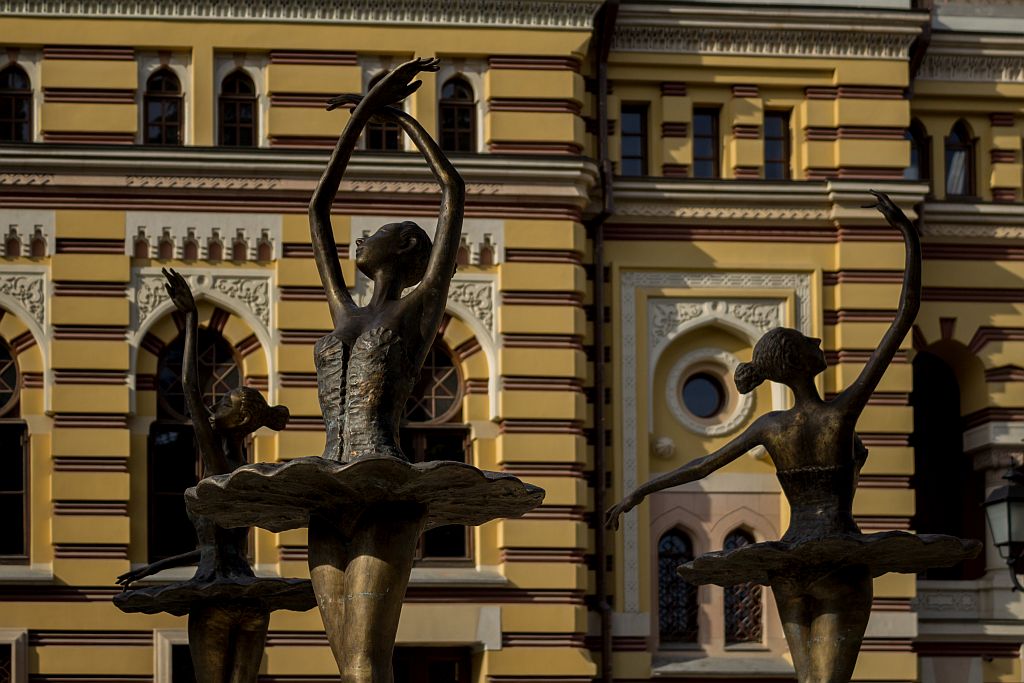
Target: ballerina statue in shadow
228,607
364,503
821,571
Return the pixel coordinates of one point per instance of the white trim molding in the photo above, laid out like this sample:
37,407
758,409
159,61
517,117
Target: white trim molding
202,227
26,224
255,65
164,640
17,639
630,283
179,63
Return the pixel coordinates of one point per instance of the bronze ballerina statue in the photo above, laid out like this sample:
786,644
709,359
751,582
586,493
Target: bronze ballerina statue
821,570
364,503
228,607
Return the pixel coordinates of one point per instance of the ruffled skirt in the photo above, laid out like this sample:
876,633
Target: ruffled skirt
282,496
179,598
806,560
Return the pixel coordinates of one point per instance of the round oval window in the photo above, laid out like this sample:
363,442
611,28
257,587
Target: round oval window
703,395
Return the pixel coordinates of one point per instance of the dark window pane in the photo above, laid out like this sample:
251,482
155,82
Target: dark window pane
773,150
6,663
703,148
12,536
632,146
632,167
677,599
742,602
703,169
703,395
181,665
631,122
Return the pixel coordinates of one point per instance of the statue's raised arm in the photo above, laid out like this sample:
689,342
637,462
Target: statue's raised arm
856,396
394,87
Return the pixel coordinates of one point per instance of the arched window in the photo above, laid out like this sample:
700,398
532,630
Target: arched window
15,105
457,116
434,431
14,475
383,137
920,166
677,599
742,602
949,492
174,463
960,161
238,116
163,109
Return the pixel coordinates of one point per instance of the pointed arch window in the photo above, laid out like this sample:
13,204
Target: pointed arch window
382,137
162,105
742,602
239,118
920,166
457,116
171,438
677,598
434,430
15,105
960,161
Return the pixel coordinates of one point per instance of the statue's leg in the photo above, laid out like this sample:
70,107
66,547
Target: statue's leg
795,613
382,551
328,557
250,639
841,617
209,641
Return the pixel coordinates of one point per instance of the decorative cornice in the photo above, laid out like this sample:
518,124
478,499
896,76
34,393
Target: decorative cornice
762,42
983,68
537,14
769,32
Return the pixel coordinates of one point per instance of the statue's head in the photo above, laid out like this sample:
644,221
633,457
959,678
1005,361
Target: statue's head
782,355
244,410
403,246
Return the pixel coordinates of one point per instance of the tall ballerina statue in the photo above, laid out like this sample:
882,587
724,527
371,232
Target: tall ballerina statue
821,571
364,503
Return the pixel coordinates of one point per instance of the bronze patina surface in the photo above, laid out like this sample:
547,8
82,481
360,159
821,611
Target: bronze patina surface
228,607
821,570
364,502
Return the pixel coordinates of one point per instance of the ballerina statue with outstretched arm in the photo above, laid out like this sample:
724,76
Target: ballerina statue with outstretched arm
821,571
364,503
228,607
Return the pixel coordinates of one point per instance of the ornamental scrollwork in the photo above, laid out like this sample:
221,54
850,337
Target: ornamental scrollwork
28,290
251,292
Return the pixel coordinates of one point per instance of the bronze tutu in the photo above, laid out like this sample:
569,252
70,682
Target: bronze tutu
178,598
771,561
282,496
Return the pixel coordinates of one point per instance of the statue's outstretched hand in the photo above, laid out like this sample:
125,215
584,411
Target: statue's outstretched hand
126,579
611,518
346,100
888,208
179,291
396,85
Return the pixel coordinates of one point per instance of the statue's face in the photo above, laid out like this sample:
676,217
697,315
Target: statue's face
230,414
378,249
808,354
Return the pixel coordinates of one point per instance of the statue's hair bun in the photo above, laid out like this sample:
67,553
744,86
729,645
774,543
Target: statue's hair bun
747,377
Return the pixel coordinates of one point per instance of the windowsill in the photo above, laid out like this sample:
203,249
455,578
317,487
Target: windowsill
26,573
447,576
747,647
745,667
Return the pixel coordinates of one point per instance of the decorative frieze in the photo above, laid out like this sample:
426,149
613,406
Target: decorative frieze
560,14
249,291
199,235
972,68
27,232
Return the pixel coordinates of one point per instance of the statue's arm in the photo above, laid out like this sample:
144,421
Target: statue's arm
210,447
325,249
691,471
441,265
856,396
182,560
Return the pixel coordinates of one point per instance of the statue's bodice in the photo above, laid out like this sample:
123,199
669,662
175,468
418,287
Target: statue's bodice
223,553
820,499
363,390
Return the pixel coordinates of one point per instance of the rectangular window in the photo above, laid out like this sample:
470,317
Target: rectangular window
14,478
776,145
432,665
706,143
633,136
428,443
171,471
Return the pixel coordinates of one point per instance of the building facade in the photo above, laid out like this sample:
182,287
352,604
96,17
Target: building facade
650,188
